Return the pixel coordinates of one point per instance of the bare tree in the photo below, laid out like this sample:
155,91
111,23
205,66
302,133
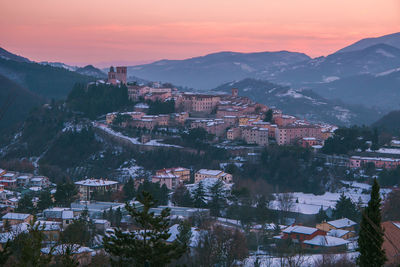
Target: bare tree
285,204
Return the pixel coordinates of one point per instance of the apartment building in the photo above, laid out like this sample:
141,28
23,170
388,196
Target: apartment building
200,102
255,135
290,134
183,174
387,163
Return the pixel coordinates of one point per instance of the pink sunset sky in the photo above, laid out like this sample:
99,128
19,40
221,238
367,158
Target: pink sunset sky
100,32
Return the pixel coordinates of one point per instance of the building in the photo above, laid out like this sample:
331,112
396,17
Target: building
391,247
290,134
168,179
17,218
88,186
344,234
307,142
255,135
342,224
182,173
64,216
119,76
324,242
387,163
299,233
200,102
204,173
83,255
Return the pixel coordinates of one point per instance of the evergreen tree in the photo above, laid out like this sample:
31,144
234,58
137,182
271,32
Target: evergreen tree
321,215
147,246
181,196
25,204
217,198
45,200
129,189
268,115
346,208
65,194
199,196
371,233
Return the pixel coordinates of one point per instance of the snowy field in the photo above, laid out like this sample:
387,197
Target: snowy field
310,203
304,261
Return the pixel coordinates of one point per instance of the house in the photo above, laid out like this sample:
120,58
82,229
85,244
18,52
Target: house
379,162
343,224
392,245
83,255
204,173
39,181
299,233
345,234
23,179
101,225
50,229
88,186
64,216
17,218
324,242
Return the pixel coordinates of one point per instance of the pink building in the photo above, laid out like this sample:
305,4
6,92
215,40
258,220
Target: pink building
387,163
170,180
290,134
309,142
283,120
119,76
200,102
255,135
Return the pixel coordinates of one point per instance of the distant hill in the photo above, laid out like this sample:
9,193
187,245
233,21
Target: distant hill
390,122
59,65
43,80
390,39
15,103
7,55
381,90
90,70
371,60
303,104
209,71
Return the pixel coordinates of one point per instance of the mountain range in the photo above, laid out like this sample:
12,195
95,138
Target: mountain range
353,85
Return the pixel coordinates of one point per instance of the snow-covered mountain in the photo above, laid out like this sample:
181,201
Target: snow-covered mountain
211,70
4,54
59,65
90,70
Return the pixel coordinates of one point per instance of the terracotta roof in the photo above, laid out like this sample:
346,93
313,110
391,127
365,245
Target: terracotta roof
392,230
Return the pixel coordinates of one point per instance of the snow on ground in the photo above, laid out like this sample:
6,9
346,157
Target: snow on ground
310,203
132,140
305,261
130,169
394,151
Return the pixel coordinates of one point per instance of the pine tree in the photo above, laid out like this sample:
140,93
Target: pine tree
146,246
321,215
217,198
199,196
45,200
129,189
346,208
371,233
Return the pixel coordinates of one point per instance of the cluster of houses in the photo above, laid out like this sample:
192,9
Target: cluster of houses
12,180
332,235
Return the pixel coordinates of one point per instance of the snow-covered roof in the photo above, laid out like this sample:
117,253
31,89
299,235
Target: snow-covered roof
337,232
326,241
49,225
61,249
15,216
341,223
300,230
35,188
209,172
96,182
37,179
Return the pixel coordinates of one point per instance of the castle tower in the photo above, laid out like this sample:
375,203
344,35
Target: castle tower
235,92
121,74
112,76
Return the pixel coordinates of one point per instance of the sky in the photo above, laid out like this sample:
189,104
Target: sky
100,32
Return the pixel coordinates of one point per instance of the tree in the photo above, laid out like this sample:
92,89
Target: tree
129,189
199,196
25,204
45,200
217,198
220,246
371,233
147,246
80,231
321,215
181,196
390,209
346,208
65,194
268,115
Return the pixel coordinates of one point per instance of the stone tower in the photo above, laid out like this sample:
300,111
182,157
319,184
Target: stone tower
235,92
121,74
